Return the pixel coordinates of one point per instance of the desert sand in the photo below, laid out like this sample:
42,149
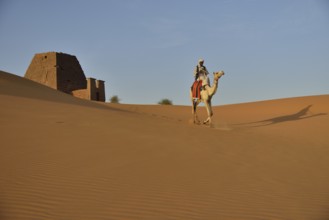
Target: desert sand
66,158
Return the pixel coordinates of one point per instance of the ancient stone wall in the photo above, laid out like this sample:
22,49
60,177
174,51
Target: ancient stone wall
81,93
63,72
96,88
100,85
70,75
42,69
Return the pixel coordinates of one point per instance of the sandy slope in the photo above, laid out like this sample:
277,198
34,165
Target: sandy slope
66,158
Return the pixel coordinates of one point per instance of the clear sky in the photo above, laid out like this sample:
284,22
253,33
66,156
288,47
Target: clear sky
146,50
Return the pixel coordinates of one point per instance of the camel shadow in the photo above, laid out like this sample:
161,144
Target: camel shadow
302,114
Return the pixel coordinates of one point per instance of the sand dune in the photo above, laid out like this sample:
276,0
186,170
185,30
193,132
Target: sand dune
66,158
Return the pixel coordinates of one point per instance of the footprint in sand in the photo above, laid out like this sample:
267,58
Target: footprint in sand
223,127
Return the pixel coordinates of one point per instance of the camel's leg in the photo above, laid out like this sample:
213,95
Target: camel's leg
195,116
193,107
209,111
210,108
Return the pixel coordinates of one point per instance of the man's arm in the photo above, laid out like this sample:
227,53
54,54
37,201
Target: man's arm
206,70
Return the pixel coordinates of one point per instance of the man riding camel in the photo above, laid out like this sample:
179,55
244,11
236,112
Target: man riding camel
201,79
201,91
201,73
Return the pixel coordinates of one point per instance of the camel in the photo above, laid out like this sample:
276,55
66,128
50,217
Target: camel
206,94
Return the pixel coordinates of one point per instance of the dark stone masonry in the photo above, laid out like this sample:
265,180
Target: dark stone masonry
63,72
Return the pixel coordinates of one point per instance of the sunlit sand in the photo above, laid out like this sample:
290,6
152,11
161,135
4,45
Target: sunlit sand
66,158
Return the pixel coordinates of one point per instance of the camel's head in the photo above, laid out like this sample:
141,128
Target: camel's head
218,74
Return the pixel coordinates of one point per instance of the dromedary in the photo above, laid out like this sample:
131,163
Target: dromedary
206,95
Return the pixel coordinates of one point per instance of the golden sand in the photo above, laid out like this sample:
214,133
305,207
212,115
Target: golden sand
66,158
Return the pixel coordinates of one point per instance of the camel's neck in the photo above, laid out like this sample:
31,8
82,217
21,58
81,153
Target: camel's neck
213,88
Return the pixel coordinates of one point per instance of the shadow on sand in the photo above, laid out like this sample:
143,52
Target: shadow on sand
302,114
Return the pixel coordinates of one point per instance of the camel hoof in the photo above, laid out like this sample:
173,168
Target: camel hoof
206,122
197,122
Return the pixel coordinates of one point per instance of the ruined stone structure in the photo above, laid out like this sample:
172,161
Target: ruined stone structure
63,72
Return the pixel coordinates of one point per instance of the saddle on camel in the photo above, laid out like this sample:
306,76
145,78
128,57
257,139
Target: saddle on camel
196,89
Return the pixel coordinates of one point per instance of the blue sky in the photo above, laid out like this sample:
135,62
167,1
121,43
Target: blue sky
146,50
